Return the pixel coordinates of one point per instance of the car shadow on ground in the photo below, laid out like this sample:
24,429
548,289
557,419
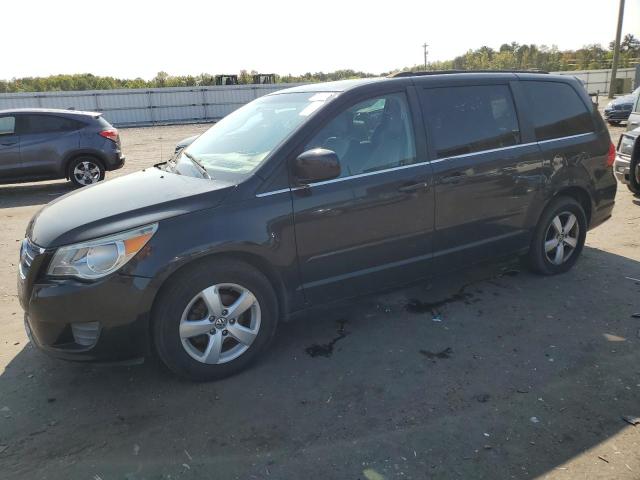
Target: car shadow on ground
488,373
21,195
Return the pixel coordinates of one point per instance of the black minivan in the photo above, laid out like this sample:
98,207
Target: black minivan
310,195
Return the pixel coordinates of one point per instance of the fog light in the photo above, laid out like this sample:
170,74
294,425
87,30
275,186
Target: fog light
85,334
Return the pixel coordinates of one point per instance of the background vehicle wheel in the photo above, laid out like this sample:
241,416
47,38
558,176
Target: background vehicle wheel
614,122
634,176
213,319
559,237
85,171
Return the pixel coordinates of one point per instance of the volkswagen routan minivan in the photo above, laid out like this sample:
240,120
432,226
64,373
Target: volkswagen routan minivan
310,195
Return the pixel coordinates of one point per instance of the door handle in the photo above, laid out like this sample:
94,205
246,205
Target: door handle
8,144
414,187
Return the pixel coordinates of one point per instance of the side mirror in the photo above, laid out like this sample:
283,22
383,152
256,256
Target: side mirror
316,165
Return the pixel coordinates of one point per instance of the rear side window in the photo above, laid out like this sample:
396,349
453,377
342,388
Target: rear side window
50,123
557,110
471,119
7,125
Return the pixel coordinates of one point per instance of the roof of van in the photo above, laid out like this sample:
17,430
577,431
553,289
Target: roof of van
419,77
51,111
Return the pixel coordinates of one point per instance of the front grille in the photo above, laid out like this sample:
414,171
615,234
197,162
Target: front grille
29,251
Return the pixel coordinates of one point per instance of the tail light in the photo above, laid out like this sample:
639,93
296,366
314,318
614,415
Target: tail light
110,133
611,156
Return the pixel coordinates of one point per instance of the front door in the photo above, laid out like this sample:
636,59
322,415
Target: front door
371,227
9,149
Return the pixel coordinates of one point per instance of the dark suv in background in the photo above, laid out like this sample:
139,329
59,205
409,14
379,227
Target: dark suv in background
43,144
619,109
310,195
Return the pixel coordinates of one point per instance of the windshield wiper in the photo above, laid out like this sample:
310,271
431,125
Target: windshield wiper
197,164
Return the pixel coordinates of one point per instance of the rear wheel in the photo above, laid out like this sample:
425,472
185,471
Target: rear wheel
559,237
85,171
213,319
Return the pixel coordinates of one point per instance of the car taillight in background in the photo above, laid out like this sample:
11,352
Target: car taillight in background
110,133
611,155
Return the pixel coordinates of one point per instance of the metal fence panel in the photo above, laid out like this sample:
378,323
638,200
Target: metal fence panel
130,107
598,80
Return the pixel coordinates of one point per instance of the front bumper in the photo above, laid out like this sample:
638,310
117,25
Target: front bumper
616,115
112,315
621,169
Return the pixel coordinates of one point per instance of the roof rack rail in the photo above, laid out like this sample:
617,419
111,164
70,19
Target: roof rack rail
441,72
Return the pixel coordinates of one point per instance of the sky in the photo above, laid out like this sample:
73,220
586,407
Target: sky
138,38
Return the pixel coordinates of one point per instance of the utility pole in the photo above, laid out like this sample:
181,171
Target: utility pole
425,54
616,50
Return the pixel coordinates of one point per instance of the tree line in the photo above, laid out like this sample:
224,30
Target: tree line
510,56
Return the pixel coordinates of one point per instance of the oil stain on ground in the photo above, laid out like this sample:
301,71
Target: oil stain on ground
446,353
418,306
326,349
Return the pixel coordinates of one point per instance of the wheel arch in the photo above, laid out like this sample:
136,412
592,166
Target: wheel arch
251,259
579,194
81,153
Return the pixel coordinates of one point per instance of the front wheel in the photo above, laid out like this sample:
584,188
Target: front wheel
559,237
213,319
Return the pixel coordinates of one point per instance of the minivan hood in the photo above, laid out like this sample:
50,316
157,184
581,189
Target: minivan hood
126,202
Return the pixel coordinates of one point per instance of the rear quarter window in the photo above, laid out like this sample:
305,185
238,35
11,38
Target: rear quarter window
557,110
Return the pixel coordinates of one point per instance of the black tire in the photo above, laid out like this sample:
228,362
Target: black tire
613,122
538,260
177,294
634,177
93,165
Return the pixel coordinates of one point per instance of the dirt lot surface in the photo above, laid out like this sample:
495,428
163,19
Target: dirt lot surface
509,375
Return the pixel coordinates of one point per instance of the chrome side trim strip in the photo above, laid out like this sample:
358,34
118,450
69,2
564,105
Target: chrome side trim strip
438,160
275,192
491,150
567,138
368,174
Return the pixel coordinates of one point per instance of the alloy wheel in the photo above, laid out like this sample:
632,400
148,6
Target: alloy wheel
86,173
220,323
561,238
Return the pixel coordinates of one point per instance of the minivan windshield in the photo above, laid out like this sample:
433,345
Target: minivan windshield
235,146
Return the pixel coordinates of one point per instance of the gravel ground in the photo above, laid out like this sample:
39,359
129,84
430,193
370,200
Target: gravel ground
513,376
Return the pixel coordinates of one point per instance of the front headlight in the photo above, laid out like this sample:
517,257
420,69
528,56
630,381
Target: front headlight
99,257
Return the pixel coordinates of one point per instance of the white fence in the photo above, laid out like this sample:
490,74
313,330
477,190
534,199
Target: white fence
598,80
141,106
